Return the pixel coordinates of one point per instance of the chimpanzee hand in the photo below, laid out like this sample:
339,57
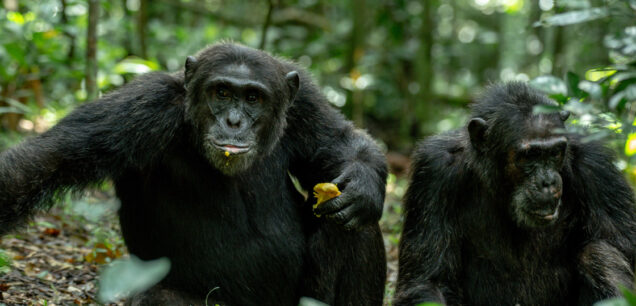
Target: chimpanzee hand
359,204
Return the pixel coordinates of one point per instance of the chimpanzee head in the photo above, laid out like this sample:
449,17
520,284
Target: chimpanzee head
237,99
527,148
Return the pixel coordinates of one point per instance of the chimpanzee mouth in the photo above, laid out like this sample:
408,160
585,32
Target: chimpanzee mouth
234,148
546,214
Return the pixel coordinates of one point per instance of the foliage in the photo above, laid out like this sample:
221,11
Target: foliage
628,299
5,262
305,301
403,69
602,98
124,278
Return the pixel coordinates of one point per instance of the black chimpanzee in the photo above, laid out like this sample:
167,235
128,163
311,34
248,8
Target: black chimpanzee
201,162
513,210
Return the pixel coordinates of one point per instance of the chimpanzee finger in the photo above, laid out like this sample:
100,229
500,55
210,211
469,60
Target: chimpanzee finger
333,205
341,180
354,223
342,216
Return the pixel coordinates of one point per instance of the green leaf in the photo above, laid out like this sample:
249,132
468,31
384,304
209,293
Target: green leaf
550,85
124,278
598,74
16,52
306,301
573,17
612,302
593,89
630,92
135,66
620,77
629,295
616,100
5,261
572,81
17,104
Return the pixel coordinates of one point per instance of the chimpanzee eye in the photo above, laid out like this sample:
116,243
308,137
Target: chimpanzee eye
252,97
222,93
559,157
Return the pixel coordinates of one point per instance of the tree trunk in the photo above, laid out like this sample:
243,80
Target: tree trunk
421,108
91,50
142,21
71,37
356,50
268,21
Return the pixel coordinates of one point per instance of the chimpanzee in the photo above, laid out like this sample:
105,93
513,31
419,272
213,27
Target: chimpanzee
202,161
514,210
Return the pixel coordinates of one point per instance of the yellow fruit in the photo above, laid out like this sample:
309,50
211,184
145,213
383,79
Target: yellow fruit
227,154
324,192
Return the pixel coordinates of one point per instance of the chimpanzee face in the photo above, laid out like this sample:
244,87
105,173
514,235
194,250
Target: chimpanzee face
238,106
534,167
531,151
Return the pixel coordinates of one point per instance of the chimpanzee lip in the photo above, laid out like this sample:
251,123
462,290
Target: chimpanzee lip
234,148
549,216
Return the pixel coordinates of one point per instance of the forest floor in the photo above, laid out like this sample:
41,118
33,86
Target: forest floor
56,259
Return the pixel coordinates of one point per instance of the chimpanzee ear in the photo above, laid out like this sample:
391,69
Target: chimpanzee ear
293,82
477,131
564,115
189,68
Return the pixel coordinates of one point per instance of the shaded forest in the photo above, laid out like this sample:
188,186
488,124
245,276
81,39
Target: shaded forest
402,70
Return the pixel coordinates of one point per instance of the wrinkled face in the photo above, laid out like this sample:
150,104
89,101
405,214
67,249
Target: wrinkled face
520,152
534,167
239,115
237,103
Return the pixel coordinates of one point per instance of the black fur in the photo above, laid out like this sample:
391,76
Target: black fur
463,243
244,229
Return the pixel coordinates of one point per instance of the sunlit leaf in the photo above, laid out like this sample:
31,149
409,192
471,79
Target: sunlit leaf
595,75
630,145
573,17
124,278
135,66
15,17
513,6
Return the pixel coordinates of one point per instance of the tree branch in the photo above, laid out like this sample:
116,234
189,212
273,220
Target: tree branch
268,20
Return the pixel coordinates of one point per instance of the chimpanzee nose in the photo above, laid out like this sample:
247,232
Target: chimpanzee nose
549,181
550,185
233,120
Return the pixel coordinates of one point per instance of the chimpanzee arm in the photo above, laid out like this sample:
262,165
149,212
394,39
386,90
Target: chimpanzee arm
609,223
127,128
327,148
429,257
